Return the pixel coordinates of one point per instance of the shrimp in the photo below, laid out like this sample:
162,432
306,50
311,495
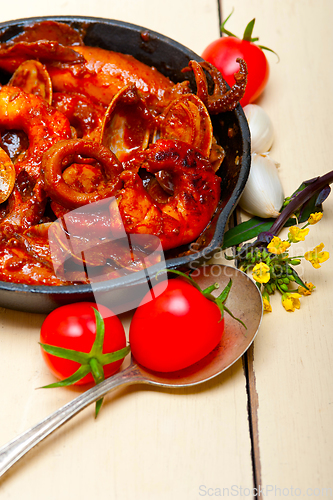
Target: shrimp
98,73
181,217
13,55
106,72
43,125
26,206
26,257
19,265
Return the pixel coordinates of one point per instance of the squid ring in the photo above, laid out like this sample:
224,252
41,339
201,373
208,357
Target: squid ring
53,165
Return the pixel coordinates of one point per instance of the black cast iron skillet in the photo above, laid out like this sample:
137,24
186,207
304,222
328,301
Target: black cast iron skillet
230,129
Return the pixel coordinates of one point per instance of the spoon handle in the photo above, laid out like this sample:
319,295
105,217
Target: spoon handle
18,447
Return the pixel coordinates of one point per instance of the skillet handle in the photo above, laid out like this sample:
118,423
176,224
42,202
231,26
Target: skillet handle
18,447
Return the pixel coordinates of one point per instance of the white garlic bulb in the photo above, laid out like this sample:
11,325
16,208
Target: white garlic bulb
263,194
261,128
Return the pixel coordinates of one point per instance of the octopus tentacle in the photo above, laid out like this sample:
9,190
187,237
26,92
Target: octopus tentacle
43,125
229,100
220,85
222,99
200,80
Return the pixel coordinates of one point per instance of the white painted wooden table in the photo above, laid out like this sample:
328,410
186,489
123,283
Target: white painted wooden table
185,444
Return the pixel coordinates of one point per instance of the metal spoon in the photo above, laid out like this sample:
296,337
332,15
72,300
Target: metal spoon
245,303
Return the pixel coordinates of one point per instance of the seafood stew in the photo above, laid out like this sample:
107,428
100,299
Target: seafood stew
160,114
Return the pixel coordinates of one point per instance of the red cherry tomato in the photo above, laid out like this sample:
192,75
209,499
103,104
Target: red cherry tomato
73,327
222,53
176,329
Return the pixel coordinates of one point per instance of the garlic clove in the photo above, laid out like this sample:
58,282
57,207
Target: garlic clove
261,128
263,193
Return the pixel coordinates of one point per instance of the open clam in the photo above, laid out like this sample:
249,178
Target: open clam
187,119
127,124
32,77
7,176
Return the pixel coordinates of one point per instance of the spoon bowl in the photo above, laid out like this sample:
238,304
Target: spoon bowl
244,301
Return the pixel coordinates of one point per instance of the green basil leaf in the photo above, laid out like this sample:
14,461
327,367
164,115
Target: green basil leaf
250,229
246,231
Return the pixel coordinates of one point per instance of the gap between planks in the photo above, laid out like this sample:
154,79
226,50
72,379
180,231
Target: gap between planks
248,367
252,408
252,399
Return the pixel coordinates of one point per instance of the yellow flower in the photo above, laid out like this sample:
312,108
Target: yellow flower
290,301
266,304
277,245
296,234
304,291
314,218
260,273
316,256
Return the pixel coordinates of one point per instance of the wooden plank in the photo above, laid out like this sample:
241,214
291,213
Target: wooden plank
145,444
293,352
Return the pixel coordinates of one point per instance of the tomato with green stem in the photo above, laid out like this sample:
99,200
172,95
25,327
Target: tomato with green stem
178,326
224,52
80,347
